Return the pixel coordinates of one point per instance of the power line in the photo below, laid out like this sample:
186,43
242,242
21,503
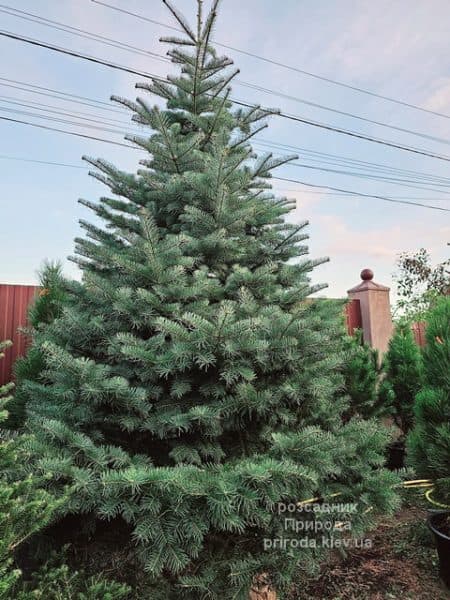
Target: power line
98,121
341,112
41,162
69,97
98,127
353,193
297,191
385,172
346,159
62,50
33,18
354,134
46,162
65,121
336,159
57,25
54,109
83,135
238,102
284,65
378,197
361,175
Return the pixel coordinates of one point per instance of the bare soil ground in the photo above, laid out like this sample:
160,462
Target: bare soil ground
402,564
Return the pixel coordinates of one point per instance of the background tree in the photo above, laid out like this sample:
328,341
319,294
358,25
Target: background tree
189,385
361,374
419,283
429,441
44,309
25,507
403,376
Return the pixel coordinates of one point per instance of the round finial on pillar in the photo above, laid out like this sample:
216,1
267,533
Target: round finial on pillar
367,274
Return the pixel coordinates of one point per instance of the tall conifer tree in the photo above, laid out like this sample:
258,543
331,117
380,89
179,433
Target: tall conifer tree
403,370
429,440
190,386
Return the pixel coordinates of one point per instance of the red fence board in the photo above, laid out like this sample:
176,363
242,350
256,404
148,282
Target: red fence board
418,330
14,303
353,316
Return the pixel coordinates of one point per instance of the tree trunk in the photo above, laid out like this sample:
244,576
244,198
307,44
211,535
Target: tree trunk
261,589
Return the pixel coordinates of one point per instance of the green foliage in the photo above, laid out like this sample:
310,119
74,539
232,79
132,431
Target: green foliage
6,389
25,507
419,284
436,353
45,308
48,304
403,377
429,442
361,375
58,582
189,384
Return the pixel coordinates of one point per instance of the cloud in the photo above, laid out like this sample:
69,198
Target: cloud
342,239
440,98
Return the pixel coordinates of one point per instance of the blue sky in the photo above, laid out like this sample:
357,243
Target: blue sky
399,49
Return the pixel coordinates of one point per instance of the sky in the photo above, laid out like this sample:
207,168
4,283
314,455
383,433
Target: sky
396,49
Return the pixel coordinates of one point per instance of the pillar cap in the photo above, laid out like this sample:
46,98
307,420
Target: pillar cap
367,283
366,274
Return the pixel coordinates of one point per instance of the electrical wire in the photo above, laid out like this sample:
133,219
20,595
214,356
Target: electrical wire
356,163
37,89
33,18
41,162
107,128
377,196
57,25
284,65
46,162
391,180
83,135
54,109
263,142
350,192
292,117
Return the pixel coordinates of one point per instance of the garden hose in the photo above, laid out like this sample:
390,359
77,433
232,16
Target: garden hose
413,483
430,499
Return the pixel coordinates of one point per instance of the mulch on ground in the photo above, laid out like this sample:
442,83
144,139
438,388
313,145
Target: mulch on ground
401,564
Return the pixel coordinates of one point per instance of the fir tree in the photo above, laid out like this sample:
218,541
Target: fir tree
402,370
429,441
189,386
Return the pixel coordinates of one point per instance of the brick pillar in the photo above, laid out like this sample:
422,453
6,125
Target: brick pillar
375,311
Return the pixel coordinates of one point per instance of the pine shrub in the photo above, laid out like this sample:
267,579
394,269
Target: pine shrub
429,441
25,506
43,310
58,582
402,377
361,374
